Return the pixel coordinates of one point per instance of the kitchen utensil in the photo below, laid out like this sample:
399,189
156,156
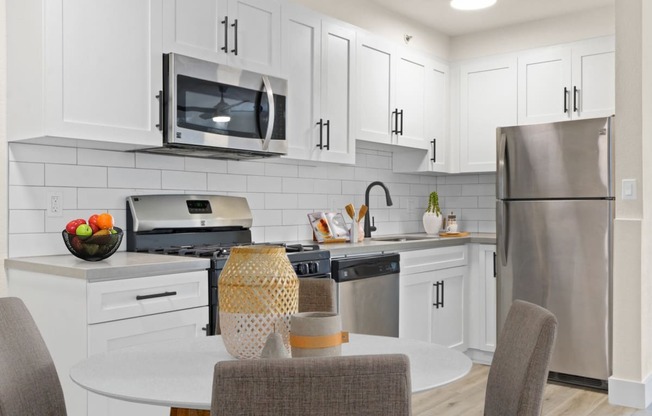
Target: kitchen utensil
350,210
362,213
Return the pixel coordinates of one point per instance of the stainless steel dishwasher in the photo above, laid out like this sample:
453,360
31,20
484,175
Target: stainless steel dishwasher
367,293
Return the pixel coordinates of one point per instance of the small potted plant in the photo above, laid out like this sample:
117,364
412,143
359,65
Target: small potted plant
432,218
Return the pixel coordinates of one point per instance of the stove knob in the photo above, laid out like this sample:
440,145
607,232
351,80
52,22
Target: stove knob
302,269
313,267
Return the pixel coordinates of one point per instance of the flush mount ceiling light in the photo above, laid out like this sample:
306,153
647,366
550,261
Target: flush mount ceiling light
472,4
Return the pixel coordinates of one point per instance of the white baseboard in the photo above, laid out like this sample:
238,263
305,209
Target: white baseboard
637,394
479,356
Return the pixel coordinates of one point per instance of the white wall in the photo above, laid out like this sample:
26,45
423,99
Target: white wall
280,192
545,32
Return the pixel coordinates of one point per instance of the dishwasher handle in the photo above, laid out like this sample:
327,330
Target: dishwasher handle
347,269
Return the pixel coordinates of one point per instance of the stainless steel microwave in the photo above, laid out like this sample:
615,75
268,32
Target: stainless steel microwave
214,110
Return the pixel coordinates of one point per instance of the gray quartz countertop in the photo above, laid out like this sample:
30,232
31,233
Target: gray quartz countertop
121,265
375,246
124,265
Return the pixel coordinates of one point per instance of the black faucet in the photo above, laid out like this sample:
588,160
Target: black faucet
368,227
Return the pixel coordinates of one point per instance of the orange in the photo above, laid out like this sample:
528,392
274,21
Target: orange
105,221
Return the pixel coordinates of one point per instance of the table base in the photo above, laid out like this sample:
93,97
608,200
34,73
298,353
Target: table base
176,411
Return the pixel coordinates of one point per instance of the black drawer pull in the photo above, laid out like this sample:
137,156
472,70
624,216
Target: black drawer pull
155,295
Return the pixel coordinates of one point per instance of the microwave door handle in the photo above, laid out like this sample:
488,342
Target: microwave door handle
272,112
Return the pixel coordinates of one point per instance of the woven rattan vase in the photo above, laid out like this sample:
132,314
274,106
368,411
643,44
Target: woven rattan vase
258,293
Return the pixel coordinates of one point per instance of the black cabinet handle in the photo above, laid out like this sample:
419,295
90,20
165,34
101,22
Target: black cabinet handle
565,100
328,135
575,91
401,131
225,22
320,123
434,150
160,110
235,37
494,264
442,293
439,295
156,295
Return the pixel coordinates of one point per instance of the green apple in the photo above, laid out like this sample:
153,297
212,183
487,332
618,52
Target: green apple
84,231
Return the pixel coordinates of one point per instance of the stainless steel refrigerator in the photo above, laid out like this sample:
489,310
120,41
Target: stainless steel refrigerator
554,209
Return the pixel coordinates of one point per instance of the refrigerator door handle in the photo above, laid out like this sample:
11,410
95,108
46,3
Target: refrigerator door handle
500,165
504,228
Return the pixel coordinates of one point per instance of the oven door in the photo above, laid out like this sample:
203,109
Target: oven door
217,106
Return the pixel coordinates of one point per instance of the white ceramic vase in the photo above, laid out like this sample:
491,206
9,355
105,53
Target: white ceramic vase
432,222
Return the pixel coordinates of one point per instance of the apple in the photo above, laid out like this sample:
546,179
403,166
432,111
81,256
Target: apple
92,221
71,227
84,231
77,244
94,227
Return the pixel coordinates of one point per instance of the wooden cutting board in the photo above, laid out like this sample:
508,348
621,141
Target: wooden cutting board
461,234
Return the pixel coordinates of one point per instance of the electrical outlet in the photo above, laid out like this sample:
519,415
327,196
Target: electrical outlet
54,204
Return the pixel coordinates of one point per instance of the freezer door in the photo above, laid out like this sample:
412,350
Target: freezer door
570,159
557,254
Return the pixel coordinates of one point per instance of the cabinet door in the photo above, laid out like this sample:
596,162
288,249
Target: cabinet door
437,117
415,306
544,86
254,39
375,95
448,308
301,66
103,74
192,27
487,101
337,92
110,336
594,79
411,90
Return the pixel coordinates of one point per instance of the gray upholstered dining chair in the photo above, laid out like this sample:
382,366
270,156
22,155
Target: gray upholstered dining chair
335,386
518,373
317,294
29,384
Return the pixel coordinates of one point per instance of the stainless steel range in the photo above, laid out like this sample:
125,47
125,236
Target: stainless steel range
206,226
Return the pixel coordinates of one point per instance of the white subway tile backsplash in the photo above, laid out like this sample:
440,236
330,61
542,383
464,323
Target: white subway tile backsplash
195,164
29,174
281,201
154,161
97,157
264,184
134,178
280,192
190,181
75,175
26,221
226,183
103,198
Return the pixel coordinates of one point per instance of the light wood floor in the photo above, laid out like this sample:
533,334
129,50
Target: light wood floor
466,397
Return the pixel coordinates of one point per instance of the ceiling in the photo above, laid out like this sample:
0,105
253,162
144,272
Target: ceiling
438,15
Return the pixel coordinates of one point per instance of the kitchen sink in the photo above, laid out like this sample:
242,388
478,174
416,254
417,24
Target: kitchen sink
399,238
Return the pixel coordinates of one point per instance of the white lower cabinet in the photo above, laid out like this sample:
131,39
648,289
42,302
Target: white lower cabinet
432,295
78,318
482,303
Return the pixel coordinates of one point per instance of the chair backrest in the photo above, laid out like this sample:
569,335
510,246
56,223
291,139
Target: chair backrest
317,295
29,384
350,385
519,370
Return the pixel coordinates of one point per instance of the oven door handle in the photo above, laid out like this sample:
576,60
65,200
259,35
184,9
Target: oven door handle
272,112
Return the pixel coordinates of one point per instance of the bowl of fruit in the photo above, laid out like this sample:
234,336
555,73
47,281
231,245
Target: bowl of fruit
92,240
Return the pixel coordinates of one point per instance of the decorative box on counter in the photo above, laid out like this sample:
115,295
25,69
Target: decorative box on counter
328,227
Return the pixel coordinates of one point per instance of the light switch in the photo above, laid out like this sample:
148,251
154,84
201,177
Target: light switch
629,189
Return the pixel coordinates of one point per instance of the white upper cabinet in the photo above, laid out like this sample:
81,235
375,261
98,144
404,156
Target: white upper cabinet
241,33
567,82
392,94
437,158
319,62
487,101
84,70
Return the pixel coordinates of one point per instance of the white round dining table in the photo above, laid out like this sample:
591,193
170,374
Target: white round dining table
179,373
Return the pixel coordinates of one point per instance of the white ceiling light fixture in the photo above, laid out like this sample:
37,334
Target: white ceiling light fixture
472,4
